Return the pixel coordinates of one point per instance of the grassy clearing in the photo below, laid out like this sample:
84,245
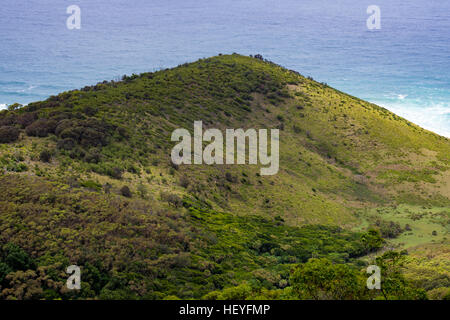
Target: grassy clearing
421,225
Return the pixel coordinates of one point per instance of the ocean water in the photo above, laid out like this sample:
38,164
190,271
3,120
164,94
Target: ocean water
404,66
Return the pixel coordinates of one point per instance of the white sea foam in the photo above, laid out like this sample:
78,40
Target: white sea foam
27,89
3,106
435,117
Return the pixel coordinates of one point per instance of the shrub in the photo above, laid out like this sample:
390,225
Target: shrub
88,133
372,240
115,173
91,185
446,297
17,258
77,154
320,279
230,177
14,106
8,120
45,156
89,111
26,119
41,128
122,132
133,169
63,125
107,188
73,133
9,134
126,192
184,181
4,271
17,167
92,137
171,199
66,144
142,190
92,157
388,229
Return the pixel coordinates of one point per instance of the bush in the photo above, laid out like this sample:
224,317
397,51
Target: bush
142,190
446,297
126,192
388,229
66,144
173,165
41,128
88,133
92,137
26,119
71,133
63,125
16,258
184,181
320,279
8,120
89,111
91,185
45,156
92,157
115,173
122,132
171,199
4,270
17,167
230,178
14,106
9,134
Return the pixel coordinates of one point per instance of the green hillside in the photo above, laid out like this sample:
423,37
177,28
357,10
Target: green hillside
87,179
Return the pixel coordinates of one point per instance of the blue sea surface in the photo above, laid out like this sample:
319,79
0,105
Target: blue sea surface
404,66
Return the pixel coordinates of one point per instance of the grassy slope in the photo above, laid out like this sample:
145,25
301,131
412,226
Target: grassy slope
338,154
349,151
